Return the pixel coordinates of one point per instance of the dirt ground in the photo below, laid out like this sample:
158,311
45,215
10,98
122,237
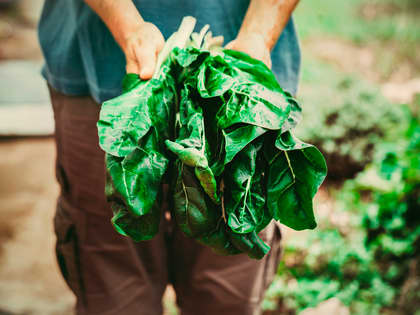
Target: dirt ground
30,282
29,277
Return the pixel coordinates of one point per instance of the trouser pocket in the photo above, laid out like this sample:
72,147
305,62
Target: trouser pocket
68,251
273,257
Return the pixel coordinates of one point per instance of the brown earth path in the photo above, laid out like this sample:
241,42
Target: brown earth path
29,278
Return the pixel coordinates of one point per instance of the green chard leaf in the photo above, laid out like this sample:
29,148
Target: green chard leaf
193,208
198,217
124,120
218,126
137,178
190,144
245,101
139,228
296,171
245,200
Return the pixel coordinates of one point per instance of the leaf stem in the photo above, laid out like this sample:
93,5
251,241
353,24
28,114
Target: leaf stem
184,189
247,188
290,165
177,39
222,189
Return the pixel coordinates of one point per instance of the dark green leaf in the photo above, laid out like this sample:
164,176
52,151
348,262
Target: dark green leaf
295,174
245,200
190,145
137,178
139,228
192,212
239,138
222,123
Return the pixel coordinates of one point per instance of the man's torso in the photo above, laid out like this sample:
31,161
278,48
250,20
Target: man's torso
82,58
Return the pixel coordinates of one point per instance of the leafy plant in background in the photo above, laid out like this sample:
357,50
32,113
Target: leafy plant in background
397,21
346,119
392,221
371,261
334,265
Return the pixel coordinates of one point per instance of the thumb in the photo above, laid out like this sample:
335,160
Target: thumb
230,45
147,61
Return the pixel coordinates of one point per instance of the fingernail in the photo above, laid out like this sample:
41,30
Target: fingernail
145,73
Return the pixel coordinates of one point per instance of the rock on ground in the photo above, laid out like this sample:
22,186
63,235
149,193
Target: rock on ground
331,306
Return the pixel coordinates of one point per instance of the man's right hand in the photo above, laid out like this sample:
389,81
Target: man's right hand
140,41
141,48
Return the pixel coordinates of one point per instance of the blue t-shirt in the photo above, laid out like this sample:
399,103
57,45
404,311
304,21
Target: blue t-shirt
82,57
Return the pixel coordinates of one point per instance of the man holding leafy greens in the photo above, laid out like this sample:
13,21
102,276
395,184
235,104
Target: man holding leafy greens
88,47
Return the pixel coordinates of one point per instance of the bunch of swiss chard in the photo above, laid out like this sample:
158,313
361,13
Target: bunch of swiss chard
216,125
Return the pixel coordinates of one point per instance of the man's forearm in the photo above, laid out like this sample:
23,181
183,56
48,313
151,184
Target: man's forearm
267,18
121,17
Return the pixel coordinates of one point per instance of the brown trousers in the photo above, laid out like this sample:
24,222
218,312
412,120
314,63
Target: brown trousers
109,273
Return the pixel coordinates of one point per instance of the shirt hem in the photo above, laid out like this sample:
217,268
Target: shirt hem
65,85
71,87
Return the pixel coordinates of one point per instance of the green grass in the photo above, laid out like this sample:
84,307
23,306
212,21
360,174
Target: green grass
391,28
393,20
324,18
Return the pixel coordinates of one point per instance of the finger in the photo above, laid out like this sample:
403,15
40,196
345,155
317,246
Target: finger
131,62
267,60
146,57
216,41
132,67
230,45
160,42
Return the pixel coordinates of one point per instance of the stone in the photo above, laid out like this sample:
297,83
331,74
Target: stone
331,306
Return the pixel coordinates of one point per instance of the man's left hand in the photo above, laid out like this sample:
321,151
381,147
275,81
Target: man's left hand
254,45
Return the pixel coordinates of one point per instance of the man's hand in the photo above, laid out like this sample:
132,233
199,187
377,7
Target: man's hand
140,41
263,23
141,48
254,45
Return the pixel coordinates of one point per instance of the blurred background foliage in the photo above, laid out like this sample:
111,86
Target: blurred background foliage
360,95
